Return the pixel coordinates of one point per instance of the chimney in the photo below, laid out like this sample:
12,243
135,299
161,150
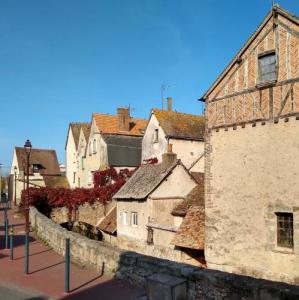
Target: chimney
169,103
168,158
123,115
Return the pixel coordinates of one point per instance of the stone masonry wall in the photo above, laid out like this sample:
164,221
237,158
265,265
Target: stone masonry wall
86,252
202,284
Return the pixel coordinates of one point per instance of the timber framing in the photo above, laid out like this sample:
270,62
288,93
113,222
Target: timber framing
257,88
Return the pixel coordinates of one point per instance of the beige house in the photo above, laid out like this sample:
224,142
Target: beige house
184,131
114,141
252,161
144,209
71,152
43,171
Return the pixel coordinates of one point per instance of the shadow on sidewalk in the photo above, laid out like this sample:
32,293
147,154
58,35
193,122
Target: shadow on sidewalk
33,254
46,268
18,240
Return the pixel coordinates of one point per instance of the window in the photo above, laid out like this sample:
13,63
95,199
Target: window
36,168
267,67
90,150
156,136
285,230
94,146
134,219
74,177
82,162
125,218
150,236
90,177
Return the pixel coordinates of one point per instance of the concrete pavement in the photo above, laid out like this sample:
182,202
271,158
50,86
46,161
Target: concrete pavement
46,268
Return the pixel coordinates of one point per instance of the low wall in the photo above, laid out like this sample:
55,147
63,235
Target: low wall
90,214
84,251
202,283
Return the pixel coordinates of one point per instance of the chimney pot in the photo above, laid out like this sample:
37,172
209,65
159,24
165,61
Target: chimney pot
169,103
169,148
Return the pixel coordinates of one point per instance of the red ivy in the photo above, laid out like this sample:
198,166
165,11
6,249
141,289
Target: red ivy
106,185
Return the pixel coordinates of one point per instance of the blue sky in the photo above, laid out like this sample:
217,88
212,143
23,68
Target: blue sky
61,60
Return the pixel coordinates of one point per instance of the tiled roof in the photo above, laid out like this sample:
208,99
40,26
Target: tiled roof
191,232
194,198
56,181
181,125
144,181
86,129
109,124
108,224
47,159
75,128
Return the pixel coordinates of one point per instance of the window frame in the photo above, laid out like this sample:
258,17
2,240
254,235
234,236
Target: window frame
285,222
134,219
94,146
261,56
125,218
156,135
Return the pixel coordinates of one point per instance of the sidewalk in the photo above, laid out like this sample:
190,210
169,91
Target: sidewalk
46,270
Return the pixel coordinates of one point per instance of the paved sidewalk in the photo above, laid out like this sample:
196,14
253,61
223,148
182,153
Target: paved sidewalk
46,270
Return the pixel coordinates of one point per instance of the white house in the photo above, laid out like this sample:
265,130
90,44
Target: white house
184,131
114,141
71,152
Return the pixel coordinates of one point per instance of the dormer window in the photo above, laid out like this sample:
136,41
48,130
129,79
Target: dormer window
156,135
267,67
36,168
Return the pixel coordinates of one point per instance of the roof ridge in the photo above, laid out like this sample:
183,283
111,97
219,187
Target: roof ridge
178,112
39,149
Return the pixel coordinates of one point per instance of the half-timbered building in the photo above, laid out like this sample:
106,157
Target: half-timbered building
252,156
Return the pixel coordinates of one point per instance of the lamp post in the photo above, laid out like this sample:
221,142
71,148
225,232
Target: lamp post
15,178
27,148
1,182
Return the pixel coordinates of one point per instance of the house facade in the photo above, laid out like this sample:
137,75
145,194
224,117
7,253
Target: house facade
184,131
252,156
44,171
114,141
71,152
144,208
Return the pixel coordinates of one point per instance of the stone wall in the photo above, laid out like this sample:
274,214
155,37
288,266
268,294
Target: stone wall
88,253
201,283
90,214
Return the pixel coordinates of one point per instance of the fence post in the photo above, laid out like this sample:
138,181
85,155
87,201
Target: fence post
11,242
67,266
26,261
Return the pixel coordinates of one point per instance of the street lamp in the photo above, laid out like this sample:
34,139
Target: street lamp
27,148
15,177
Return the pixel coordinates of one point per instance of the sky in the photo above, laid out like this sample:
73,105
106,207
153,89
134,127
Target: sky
62,60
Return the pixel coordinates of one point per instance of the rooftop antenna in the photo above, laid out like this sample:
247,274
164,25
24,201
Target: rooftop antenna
131,109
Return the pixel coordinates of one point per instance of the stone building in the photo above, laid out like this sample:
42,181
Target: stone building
71,152
144,210
43,171
114,141
252,161
184,131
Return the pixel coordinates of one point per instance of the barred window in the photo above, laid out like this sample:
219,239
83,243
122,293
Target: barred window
285,230
150,236
267,67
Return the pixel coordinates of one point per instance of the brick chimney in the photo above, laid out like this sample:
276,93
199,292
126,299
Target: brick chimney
168,158
169,103
123,115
